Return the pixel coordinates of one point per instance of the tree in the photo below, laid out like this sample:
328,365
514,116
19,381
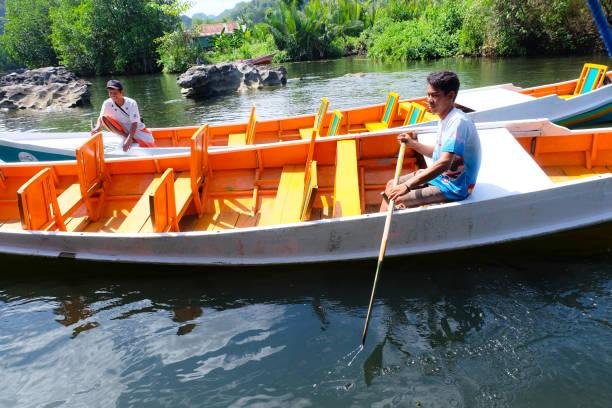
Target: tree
72,35
27,32
112,36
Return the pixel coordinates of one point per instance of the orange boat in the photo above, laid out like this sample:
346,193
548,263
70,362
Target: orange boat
582,101
300,201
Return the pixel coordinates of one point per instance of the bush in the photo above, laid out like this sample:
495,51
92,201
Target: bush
177,50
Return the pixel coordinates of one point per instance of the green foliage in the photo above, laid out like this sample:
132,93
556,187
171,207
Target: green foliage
177,50
71,37
318,30
6,63
27,32
253,11
417,29
251,47
536,27
130,28
434,34
89,36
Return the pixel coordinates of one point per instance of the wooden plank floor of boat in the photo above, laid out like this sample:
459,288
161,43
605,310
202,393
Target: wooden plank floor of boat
559,174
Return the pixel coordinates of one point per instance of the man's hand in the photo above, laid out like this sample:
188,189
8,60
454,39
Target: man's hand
394,192
127,143
407,137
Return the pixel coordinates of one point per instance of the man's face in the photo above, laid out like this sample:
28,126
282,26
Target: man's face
438,101
115,94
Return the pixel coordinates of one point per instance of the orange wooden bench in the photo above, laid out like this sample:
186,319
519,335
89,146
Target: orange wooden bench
296,191
41,208
238,139
167,198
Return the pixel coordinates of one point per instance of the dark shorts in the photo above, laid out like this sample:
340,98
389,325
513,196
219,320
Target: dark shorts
420,195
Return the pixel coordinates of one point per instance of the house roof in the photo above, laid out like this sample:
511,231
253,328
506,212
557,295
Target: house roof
217,28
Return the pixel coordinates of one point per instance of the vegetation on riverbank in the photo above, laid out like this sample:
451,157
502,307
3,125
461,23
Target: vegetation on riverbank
101,36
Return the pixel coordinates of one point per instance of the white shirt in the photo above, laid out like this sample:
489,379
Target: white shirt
126,114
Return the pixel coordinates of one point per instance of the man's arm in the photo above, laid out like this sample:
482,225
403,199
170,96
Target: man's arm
422,177
127,143
411,140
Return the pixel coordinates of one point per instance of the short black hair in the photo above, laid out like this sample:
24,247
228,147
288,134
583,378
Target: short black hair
444,81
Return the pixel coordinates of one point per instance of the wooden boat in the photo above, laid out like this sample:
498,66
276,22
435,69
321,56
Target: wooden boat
300,201
264,59
556,102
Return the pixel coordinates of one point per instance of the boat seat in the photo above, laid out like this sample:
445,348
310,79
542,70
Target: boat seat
317,125
38,203
93,181
238,139
388,115
591,77
295,195
505,168
415,112
346,185
169,198
70,199
139,218
334,123
93,177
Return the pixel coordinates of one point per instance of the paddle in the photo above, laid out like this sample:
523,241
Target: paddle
383,243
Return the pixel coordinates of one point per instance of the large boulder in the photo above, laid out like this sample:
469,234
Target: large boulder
210,80
41,88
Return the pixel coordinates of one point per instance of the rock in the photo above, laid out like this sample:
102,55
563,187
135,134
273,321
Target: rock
49,87
225,78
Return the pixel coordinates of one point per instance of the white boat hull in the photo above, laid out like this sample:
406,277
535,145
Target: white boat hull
415,231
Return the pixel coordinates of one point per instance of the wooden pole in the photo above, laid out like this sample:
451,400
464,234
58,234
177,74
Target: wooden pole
383,243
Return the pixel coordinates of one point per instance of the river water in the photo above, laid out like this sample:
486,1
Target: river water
513,326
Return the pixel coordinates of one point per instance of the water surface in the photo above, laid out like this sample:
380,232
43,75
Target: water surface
346,82
488,328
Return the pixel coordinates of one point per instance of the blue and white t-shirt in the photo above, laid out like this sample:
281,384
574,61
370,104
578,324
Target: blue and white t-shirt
457,134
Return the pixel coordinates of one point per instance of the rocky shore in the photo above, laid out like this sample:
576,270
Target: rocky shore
42,88
203,81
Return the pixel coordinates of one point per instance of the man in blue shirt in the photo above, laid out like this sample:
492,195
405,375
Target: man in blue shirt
456,154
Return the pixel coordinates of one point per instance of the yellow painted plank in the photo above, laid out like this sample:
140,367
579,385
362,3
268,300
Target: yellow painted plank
306,133
288,200
346,186
182,191
69,199
236,139
575,172
292,204
373,126
140,214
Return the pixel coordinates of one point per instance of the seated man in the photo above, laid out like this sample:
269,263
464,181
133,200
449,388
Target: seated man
456,154
120,115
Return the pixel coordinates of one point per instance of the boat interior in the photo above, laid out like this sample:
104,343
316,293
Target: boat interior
270,184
